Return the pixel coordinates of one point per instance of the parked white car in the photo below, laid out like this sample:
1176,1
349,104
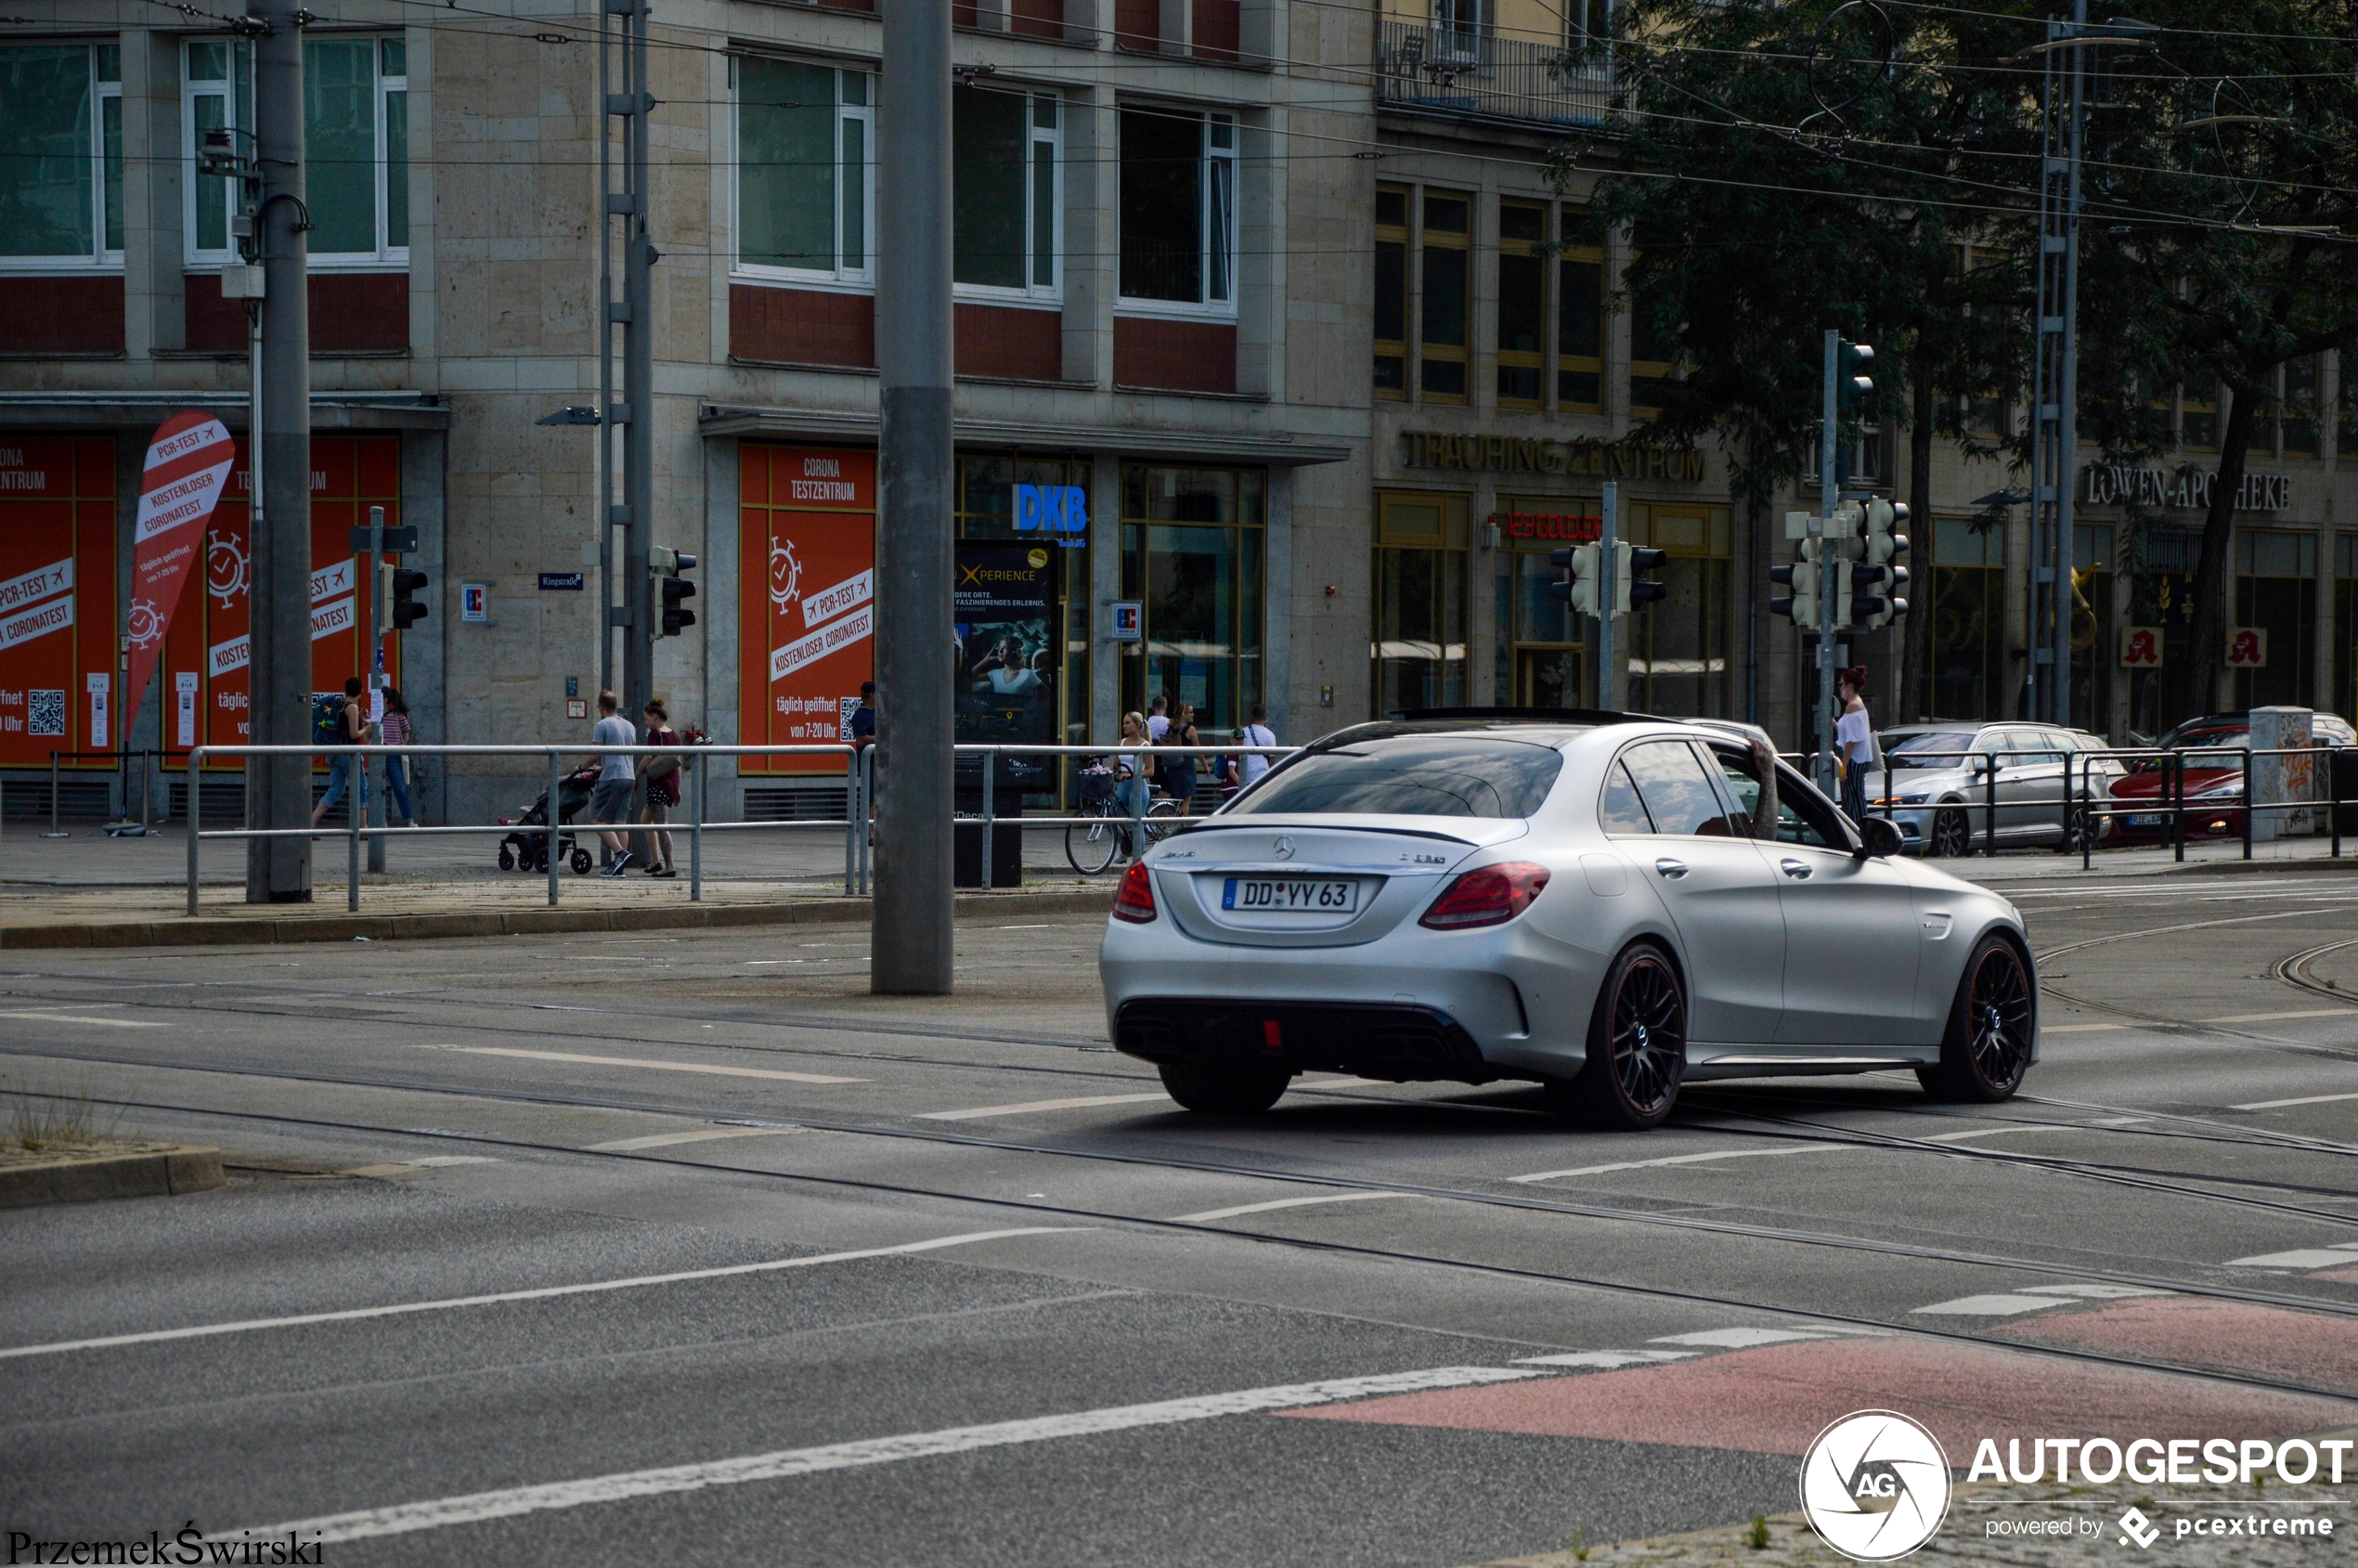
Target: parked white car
1594,906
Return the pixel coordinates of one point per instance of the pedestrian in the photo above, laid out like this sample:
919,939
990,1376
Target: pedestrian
395,730
351,729
610,797
1256,733
1131,765
1157,718
1854,740
1178,769
864,717
660,773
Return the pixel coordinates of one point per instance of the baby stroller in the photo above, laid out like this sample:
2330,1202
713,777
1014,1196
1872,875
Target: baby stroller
528,852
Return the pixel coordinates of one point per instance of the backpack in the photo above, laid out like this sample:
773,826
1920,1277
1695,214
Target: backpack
327,718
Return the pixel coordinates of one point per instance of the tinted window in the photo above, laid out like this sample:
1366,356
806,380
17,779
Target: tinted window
1804,816
1735,772
1679,795
1622,812
1413,776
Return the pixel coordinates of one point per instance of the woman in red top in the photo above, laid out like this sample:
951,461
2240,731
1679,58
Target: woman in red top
397,731
660,773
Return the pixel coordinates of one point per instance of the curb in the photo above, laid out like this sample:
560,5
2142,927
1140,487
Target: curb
152,1173
250,930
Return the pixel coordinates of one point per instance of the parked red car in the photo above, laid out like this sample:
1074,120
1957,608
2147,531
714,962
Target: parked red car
2214,783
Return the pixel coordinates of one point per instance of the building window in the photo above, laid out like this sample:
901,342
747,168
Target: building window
805,172
2275,574
1179,210
1391,292
1541,641
1447,233
1580,335
1005,190
1678,648
2091,623
60,156
355,128
2199,415
1191,549
1420,652
1653,361
1968,620
1523,302
2345,624
2301,426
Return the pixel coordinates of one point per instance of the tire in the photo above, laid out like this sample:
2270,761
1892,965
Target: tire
507,857
2083,821
1637,1045
1952,834
1991,1026
1092,848
1231,1091
581,862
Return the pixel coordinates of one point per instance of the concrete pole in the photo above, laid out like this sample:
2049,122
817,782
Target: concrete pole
1834,567
911,938
278,672
638,382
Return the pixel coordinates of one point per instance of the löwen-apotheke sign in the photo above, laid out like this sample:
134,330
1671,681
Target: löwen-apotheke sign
2187,488
1541,454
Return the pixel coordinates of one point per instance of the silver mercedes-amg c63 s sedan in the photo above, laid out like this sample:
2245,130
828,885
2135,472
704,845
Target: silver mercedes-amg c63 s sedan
1609,904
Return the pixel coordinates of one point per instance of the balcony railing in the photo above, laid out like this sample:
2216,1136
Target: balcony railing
1450,71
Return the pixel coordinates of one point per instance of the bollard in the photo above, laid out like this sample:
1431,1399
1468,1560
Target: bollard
2176,763
196,818
553,815
2068,802
2250,806
2333,795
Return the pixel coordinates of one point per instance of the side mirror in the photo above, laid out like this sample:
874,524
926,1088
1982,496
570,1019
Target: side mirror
1879,839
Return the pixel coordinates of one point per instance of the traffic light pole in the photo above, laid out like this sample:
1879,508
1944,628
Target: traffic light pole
1608,564
637,418
1831,569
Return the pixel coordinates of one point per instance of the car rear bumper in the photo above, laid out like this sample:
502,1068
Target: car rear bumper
1396,1041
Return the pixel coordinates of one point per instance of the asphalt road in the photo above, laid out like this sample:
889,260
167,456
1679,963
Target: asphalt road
783,1270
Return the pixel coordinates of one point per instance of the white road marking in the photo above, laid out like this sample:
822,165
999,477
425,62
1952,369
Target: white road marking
512,1501
1606,1358
2272,1017
1210,1215
2030,1127
84,1018
354,1314
2304,1100
1676,1159
2299,1257
2082,1029
646,1062
1744,1339
665,1140
1039,1104
1993,1306
2095,1293
430,1162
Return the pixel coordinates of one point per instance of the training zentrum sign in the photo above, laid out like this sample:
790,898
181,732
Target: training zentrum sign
2186,488
1543,454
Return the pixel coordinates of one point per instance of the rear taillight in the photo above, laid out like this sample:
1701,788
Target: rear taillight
1136,901
1489,895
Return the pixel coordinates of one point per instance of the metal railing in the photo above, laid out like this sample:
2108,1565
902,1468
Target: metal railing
859,775
1466,70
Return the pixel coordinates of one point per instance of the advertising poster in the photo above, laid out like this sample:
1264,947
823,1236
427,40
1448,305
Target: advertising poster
1005,596
807,563
208,642
57,624
188,460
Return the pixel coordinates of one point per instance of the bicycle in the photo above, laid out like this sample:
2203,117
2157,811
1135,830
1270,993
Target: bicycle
1093,847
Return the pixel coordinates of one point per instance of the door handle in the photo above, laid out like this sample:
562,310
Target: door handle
1672,869
1797,870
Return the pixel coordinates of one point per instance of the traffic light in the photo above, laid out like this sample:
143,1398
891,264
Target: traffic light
407,611
1801,579
667,566
1853,381
1579,588
1877,580
1630,591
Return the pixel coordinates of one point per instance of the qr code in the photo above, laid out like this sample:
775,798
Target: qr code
845,708
49,713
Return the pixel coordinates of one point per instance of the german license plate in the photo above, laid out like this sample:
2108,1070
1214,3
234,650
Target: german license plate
1290,895
2149,819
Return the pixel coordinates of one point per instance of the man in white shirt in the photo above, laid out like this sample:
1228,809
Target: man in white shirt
1158,720
1256,733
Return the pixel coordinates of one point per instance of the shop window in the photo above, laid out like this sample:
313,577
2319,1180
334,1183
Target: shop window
1678,648
2161,595
988,509
1179,210
1447,233
1192,550
2199,415
1419,647
1006,151
60,156
2276,575
2299,418
355,130
1653,361
1968,620
1523,302
1391,292
806,171
2091,626
1580,335
1541,642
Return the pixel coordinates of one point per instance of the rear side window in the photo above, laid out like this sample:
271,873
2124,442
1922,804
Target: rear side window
1410,776
1621,810
1678,794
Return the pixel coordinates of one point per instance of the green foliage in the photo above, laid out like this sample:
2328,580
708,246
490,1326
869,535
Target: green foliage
1757,1536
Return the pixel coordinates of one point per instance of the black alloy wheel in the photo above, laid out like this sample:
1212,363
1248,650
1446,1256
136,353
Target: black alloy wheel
1636,1043
2082,824
1952,834
1243,1090
1991,1026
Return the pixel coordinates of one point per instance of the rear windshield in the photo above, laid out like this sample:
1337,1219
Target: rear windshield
1931,749
1410,776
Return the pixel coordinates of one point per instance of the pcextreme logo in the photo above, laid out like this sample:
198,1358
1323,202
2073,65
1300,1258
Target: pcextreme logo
1874,1486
